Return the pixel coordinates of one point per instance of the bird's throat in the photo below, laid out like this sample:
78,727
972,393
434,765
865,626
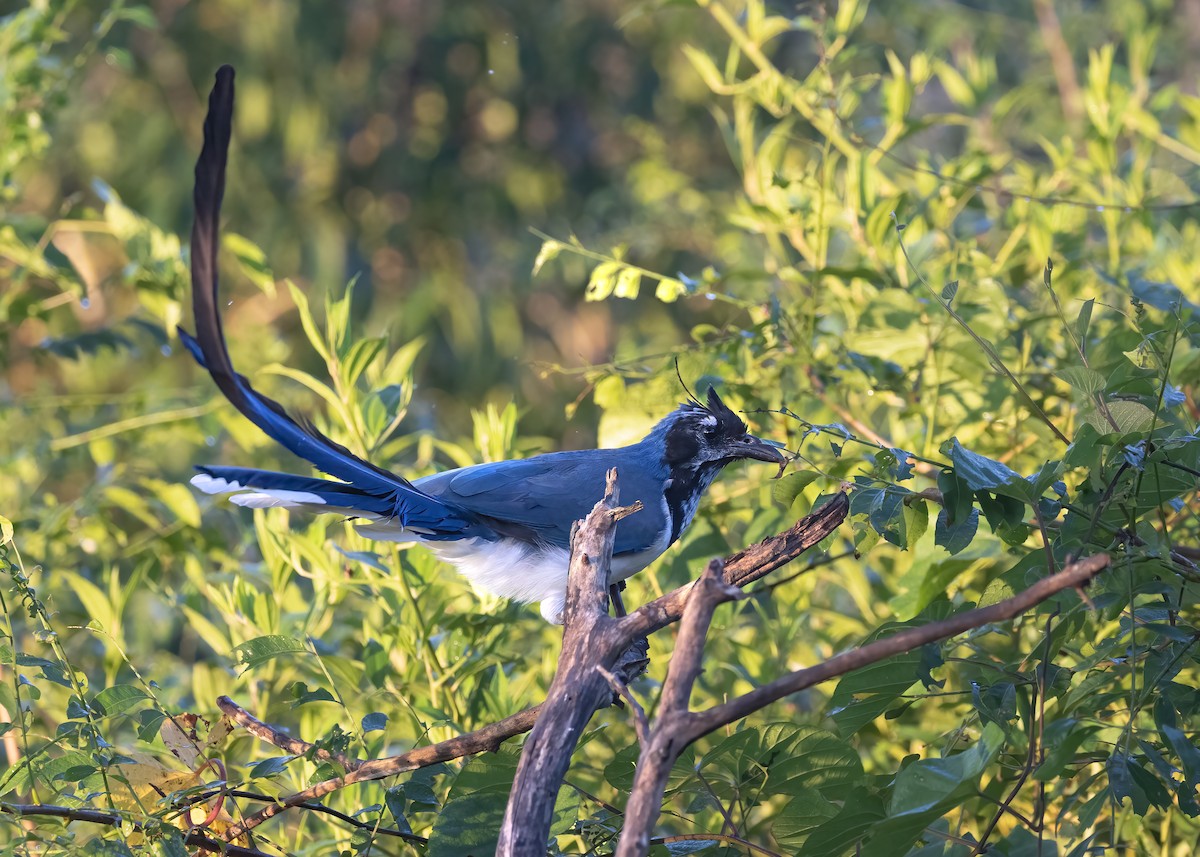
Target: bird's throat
683,492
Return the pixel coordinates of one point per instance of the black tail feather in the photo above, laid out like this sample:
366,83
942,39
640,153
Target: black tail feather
337,494
405,502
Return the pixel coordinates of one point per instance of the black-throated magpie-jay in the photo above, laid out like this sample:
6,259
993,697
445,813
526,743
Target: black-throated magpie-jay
505,525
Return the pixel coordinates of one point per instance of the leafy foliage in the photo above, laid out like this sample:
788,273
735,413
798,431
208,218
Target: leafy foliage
953,264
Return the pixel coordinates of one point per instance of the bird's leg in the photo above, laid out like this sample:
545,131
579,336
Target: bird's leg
632,663
614,595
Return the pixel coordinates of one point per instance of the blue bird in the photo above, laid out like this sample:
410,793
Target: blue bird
505,525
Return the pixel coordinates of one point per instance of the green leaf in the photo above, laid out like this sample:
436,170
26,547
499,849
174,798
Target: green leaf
861,811
996,703
955,84
1061,739
1083,321
628,283
1128,779
1085,380
1185,749
804,757
1130,417
301,695
603,281
926,789
1085,449
957,497
256,652
337,318
866,693
270,767
315,339
669,290
6,530
178,498
996,591
786,489
140,15
955,537
119,697
252,261
469,822
949,291
884,508
1005,515
806,811
395,800
360,355
619,772
985,474
376,721
706,68
916,522
150,721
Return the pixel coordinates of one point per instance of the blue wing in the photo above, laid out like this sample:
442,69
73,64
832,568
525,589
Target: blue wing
548,493
408,504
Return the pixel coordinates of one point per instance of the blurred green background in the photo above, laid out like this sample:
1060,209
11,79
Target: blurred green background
747,161
415,146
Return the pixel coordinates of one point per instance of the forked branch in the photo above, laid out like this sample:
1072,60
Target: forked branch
676,726
740,569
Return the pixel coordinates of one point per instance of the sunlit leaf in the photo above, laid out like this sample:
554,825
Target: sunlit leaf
119,698
256,652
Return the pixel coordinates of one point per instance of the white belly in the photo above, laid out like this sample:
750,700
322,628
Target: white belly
517,570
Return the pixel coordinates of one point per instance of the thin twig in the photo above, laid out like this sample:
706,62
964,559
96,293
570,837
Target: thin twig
712,793
489,738
1074,575
1032,756
112,819
285,742
715,837
640,724
313,806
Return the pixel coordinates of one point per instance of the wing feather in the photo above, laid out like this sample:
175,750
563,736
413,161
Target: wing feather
548,493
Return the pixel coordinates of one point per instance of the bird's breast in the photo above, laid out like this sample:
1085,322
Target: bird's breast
682,493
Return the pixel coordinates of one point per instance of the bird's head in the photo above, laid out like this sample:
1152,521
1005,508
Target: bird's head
699,435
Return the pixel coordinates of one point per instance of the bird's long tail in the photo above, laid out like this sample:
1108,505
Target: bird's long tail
262,489
371,488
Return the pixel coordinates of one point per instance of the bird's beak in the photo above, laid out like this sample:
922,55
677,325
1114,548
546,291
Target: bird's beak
750,446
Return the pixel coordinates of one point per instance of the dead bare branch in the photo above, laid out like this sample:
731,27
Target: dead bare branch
626,658
578,688
650,779
1074,576
676,727
744,567
489,738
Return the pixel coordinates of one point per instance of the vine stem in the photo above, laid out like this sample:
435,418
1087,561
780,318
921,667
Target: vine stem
979,340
